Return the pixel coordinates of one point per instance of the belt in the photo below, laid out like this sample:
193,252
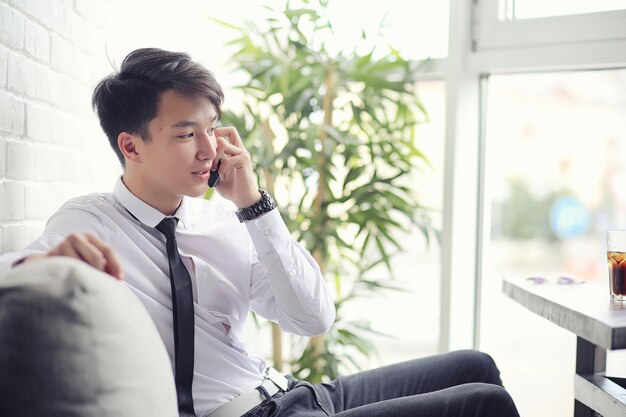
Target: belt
274,382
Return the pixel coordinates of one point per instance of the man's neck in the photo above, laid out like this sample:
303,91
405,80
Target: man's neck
142,190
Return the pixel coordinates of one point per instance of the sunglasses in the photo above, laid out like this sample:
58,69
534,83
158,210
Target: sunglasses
564,279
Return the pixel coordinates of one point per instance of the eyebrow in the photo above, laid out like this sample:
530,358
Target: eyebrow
187,123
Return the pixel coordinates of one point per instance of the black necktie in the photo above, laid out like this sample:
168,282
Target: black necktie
182,306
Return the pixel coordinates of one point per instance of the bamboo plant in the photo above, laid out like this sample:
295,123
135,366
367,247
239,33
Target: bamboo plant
332,137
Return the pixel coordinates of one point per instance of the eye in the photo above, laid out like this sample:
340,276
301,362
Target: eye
211,131
186,135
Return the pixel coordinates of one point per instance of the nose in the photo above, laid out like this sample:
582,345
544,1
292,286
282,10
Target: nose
207,147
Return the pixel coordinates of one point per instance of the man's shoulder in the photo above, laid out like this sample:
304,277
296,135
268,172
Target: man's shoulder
88,202
82,213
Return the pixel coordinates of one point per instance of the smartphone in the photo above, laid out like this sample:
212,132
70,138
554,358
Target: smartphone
214,177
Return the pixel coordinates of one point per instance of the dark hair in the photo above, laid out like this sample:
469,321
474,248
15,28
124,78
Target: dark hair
128,100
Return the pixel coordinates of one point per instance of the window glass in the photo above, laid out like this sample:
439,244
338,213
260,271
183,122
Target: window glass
417,28
555,174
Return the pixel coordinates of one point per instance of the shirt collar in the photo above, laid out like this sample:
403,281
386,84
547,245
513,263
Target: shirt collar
143,211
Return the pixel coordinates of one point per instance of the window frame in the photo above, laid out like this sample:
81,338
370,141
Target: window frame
495,33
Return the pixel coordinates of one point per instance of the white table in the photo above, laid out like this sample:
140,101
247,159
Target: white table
599,324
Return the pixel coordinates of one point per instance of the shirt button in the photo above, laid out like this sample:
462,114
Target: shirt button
266,232
293,271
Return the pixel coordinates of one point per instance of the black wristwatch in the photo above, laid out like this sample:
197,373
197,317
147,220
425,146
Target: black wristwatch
258,209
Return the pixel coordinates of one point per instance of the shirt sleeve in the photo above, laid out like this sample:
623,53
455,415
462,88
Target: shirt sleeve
287,284
58,227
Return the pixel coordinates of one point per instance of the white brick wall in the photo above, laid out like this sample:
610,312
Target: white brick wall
12,23
3,159
12,114
4,59
13,195
51,147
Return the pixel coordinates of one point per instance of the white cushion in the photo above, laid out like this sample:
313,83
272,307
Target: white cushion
76,342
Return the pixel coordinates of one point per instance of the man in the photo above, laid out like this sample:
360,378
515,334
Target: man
199,268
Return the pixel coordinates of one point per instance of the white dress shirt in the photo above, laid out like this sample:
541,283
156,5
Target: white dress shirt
234,268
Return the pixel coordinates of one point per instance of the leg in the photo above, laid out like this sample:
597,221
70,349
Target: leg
581,410
409,378
468,400
590,359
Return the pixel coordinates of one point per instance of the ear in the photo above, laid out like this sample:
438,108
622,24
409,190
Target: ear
127,143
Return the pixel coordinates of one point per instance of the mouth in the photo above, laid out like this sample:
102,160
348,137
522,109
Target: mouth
203,175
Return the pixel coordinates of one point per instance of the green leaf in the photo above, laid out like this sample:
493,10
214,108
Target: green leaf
224,23
383,252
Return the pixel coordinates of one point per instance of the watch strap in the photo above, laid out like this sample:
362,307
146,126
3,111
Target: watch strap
265,205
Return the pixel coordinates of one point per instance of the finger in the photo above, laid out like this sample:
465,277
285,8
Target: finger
225,150
69,248
231,134
113,265
220,150
65,248
87,251
78,246
234,163
228,149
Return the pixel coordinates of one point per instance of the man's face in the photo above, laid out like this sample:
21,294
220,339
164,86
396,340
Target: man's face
177,159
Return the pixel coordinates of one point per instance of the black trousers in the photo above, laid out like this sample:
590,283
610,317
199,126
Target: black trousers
463,383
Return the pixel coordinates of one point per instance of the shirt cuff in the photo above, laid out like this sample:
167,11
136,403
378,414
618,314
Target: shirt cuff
268,232
9,260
